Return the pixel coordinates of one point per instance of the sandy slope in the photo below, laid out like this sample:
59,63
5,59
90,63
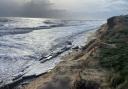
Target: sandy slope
79,65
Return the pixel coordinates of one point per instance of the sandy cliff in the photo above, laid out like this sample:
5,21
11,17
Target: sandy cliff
88,68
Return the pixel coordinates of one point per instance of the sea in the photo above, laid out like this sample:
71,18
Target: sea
33,46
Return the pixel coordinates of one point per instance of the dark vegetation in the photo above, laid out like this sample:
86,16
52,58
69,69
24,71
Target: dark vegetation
83,84
116,59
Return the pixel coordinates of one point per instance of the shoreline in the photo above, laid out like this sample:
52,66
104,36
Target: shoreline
29,79
20,81
74,54
83,69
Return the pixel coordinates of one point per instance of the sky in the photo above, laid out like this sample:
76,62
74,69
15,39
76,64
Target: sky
94,8
80,9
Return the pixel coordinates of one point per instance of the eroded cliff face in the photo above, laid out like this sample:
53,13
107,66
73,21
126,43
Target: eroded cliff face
88,68
115,58
109,52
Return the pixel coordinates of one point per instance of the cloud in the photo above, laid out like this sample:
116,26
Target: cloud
63,8
28,8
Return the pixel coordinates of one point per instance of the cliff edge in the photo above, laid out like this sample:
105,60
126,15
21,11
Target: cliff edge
101,64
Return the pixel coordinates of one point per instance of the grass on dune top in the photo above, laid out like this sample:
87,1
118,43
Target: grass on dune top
116,59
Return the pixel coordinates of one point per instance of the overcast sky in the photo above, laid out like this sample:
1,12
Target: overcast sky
94,8
86,9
